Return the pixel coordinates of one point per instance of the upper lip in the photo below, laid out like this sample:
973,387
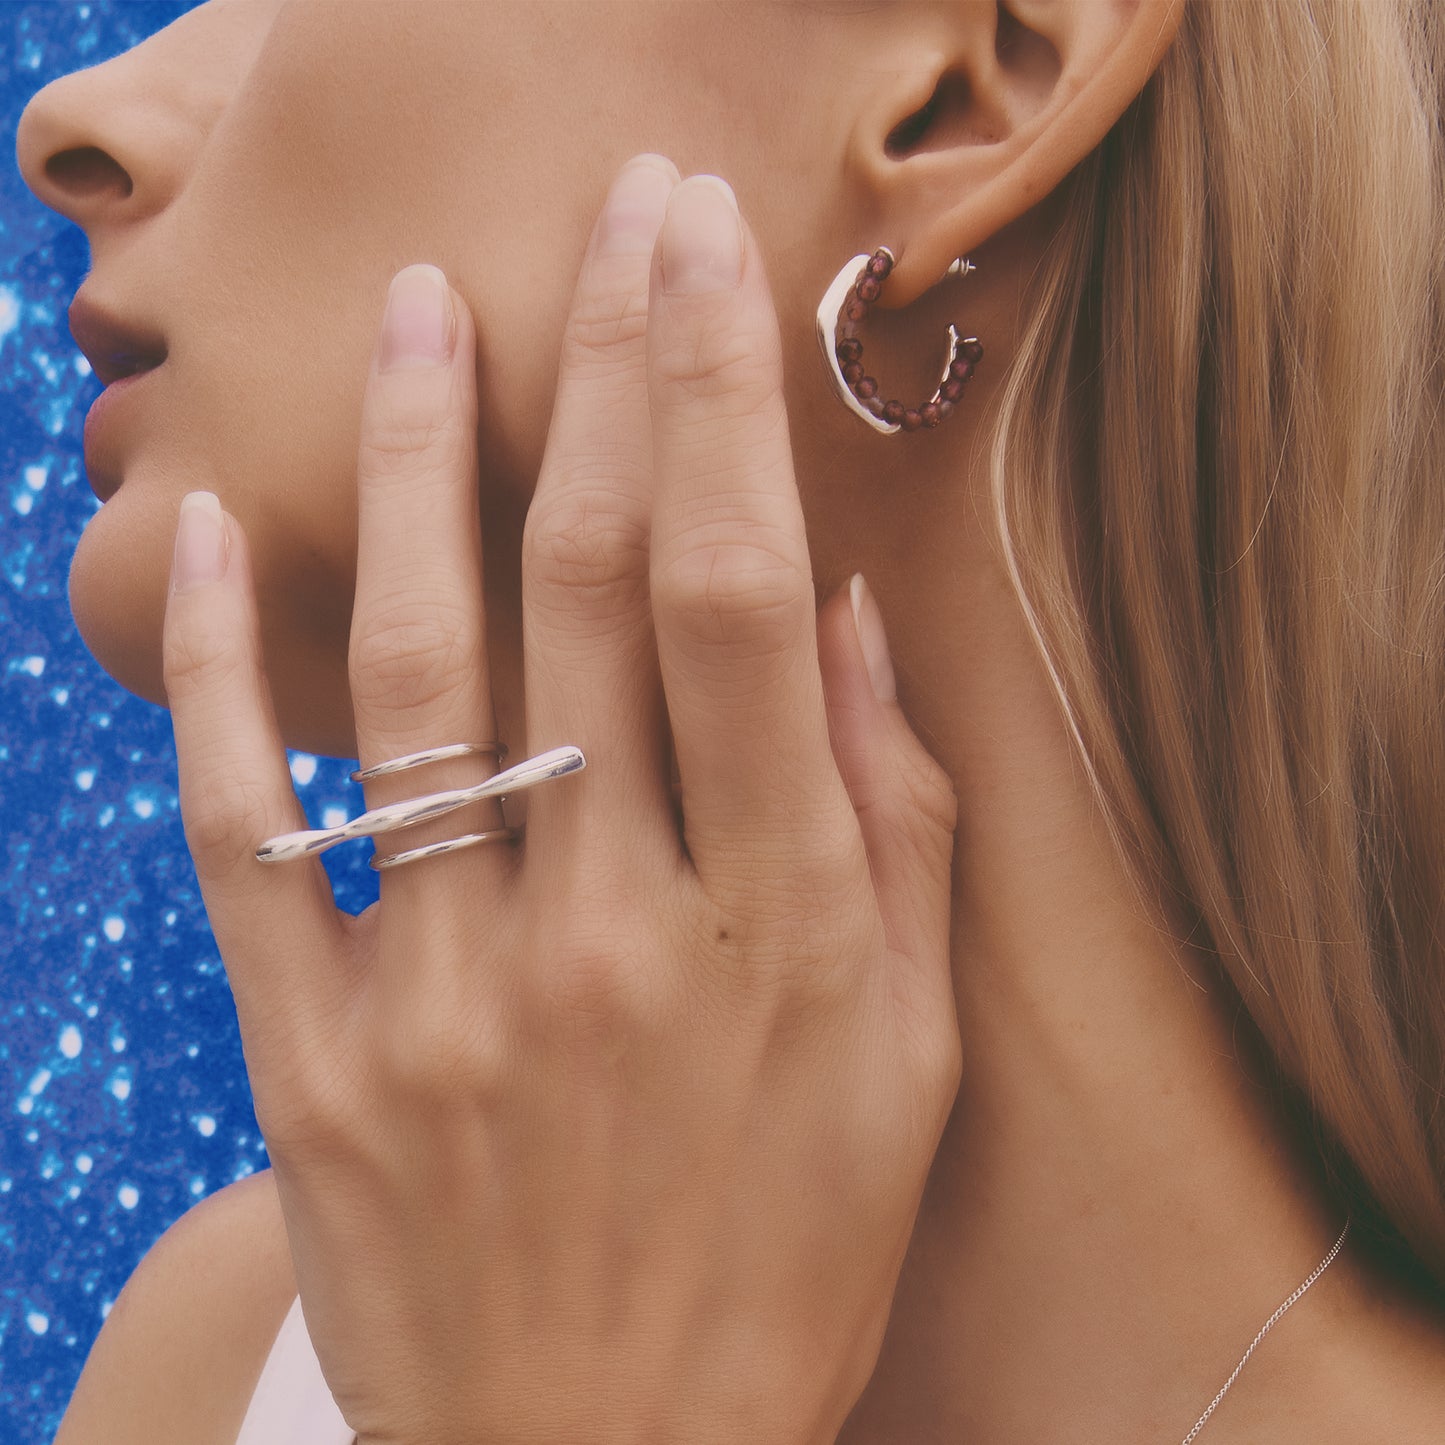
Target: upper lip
114,348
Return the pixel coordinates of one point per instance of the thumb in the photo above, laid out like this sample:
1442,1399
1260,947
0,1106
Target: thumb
904,800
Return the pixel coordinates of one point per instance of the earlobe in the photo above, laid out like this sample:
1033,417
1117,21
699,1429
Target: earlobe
978,121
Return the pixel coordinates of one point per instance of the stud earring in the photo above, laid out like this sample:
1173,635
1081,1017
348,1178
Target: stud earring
843,307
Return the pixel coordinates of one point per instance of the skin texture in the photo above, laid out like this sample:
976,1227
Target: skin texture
1114,1209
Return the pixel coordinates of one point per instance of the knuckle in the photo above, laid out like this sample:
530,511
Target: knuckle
595,986
933,1048
315,1103
944,1061
580,540
416,653
937,1071
714,594
933,793
224,816
716,589
605,330
734,370
199,658
315,1122
397,435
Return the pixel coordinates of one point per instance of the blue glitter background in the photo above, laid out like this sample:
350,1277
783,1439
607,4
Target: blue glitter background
124,1085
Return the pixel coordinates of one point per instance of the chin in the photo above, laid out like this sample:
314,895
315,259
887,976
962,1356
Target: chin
118,601
119,578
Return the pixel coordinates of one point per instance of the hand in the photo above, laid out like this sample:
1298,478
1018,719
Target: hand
617,1134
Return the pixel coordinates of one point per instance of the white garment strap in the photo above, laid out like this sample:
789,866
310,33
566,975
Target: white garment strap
292,1404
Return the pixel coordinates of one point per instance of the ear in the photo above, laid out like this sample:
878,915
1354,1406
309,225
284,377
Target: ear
982,109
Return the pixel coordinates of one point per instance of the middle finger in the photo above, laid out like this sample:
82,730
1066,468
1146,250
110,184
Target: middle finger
590,659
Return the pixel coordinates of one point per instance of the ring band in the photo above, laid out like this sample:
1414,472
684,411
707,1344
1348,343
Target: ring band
447,845
427,755
529,773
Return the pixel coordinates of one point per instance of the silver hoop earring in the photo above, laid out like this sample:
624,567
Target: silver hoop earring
844,307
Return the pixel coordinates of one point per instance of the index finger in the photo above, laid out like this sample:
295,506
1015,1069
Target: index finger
278,929
731,582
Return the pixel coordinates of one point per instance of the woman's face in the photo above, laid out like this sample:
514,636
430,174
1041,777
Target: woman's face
258,170
251,177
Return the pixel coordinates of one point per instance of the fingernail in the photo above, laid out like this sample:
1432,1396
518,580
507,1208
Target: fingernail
419,328
702,237
201,546
868,621
635,206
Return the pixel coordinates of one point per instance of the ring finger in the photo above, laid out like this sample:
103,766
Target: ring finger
590,654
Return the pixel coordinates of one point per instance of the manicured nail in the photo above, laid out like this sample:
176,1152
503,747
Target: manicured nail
201,546
419,328
702,237
635,206
868,621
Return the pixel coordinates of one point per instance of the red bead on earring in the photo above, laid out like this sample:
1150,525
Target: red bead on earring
844,308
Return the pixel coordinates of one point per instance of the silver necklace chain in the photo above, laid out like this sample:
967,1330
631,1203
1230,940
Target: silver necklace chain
1269,1324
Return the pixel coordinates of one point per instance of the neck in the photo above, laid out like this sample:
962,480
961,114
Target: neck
1116,1206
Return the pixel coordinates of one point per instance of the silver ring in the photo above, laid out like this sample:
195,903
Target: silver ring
447,845
427,755
529,773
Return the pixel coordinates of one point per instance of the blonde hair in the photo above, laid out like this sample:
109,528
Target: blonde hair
1235,355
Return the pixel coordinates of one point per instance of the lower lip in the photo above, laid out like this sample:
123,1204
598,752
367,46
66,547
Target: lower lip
96,419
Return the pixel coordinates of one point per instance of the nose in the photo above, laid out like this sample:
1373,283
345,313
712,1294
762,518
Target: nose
111,145
107,144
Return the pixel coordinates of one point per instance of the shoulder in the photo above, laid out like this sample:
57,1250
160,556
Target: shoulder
1405,1393
204,1304
1377,1365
